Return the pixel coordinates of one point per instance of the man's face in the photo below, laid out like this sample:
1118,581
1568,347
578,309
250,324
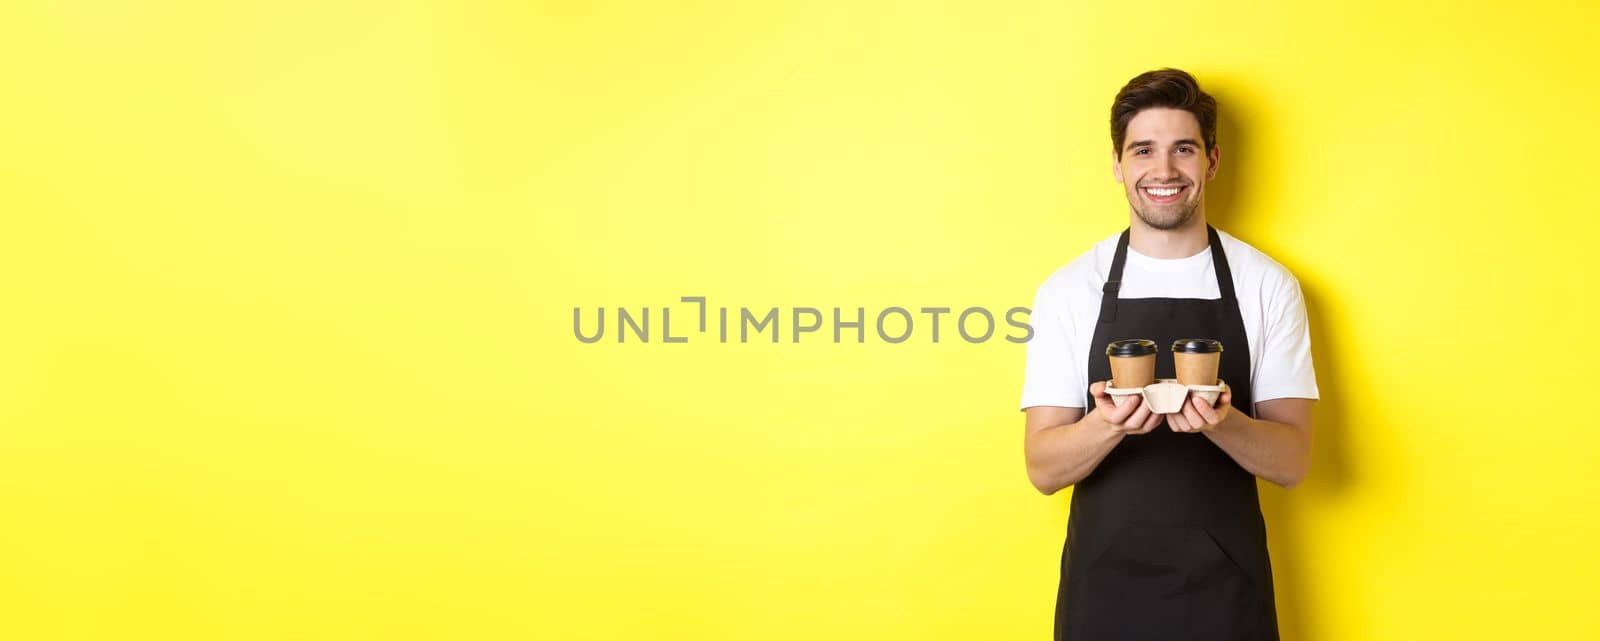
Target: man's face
1164,167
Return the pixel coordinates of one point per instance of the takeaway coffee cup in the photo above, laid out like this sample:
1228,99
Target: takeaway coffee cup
1196,360
1133,362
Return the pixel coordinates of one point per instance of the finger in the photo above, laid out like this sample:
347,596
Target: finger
1193,416
1226,398
1098,395
1206,413
1176,422
1150,423
1102,400
1119,415
1105,405
1138,417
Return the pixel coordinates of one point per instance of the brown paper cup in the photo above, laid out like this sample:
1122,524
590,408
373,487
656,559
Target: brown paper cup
1133,371
1197,369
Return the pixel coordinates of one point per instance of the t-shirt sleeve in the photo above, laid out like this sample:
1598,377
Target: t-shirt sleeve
1052,375
1285,370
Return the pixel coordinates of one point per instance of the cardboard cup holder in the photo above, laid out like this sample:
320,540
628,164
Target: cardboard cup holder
1167,395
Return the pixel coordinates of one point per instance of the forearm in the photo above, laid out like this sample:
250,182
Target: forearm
1277,452
1062,455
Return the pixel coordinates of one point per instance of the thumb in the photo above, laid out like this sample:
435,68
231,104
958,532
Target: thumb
1120,414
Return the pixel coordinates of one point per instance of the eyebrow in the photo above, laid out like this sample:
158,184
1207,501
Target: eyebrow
1148,143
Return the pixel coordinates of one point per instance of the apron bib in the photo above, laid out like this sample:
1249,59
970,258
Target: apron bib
1165,539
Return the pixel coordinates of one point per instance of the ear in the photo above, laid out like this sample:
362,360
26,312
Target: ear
1215,157
1116,166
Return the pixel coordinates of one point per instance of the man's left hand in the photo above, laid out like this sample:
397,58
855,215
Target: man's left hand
1197,416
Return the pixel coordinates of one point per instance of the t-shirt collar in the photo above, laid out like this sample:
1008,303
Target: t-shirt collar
1169,264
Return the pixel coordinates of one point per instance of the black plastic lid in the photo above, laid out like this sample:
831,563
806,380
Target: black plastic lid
1196,346
1131,347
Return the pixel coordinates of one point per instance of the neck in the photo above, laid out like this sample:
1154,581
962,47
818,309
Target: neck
1182,242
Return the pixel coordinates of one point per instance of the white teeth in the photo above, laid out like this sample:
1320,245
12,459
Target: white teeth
1162,193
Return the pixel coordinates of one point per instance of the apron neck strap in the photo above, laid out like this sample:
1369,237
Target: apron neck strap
1113,286
1219,264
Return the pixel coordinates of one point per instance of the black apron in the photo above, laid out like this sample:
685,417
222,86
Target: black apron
1165,540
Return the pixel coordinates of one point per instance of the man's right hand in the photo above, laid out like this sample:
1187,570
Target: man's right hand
1132,418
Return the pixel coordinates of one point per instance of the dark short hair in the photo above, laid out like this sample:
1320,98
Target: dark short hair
1171,88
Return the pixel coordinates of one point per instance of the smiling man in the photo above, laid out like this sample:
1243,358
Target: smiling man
1165,539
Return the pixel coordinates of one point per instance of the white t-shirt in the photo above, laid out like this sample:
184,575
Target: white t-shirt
1067,306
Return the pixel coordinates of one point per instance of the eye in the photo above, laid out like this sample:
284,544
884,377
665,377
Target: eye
1185,149
1142,151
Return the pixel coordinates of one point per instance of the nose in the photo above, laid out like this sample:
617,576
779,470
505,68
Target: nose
1166,169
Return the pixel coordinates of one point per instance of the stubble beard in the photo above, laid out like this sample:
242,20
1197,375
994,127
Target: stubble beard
1170,219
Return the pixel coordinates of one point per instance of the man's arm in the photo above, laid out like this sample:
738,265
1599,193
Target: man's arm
1276,446
1062,445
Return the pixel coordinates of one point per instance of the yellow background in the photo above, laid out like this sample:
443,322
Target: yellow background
287,350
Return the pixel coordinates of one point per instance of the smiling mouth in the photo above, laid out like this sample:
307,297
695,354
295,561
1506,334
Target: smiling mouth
1164,194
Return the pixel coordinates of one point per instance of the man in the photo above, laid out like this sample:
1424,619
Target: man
1165,538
